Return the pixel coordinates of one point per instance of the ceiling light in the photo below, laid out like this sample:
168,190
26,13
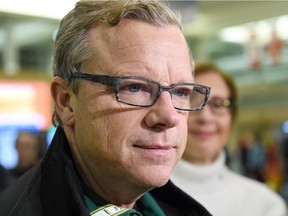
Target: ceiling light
41,8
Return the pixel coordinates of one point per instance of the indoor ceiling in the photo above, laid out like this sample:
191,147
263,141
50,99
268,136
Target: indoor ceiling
200,18
215,15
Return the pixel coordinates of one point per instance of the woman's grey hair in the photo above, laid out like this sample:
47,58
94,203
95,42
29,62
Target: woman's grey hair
72,47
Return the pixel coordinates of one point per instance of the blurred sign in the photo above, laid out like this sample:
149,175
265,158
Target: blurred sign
25,103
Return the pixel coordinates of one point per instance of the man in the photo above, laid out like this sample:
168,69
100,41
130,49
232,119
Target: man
122,92
27,147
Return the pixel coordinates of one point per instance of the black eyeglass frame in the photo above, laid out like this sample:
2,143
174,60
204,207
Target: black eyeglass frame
113,81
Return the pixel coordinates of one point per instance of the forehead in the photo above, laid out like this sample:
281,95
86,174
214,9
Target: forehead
137,43
133,32
25,140
215,81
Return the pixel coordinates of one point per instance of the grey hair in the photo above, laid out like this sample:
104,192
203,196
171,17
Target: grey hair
72,48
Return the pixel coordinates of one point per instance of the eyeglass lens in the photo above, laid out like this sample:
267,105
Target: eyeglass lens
142,92
219,105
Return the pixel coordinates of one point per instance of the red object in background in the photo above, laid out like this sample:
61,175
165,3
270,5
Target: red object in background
254,51
274,48
25,103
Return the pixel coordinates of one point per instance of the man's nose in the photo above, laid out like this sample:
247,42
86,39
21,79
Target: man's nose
163,114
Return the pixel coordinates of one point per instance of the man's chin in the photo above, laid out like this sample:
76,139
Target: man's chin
158,181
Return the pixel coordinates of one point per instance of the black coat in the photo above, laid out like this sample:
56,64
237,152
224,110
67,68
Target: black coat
5,178
53,188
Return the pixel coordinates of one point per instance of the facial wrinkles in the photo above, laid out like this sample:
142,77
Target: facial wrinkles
153,58
113,142
154,52
102,114
103,141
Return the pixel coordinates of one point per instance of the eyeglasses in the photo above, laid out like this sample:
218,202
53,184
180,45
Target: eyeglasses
143,92
220,106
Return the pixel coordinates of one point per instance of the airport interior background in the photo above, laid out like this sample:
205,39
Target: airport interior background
247,39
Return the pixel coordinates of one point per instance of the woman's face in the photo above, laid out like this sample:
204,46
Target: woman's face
209,129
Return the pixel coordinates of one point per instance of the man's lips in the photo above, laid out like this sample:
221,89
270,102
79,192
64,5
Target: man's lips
156,149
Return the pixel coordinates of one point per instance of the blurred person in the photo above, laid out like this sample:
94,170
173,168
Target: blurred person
27,147
275,47
202,172
273,167
253,155
244,144
122,90
284,157
256,158
254,51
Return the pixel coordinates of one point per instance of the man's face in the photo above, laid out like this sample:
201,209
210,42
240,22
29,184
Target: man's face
27,148
126,144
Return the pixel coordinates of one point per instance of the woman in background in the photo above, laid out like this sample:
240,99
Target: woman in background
202,172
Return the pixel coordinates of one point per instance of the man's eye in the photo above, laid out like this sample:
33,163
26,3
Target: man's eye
181,92
137,87
134,87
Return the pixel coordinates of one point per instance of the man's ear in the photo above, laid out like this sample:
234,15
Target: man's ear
61,97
